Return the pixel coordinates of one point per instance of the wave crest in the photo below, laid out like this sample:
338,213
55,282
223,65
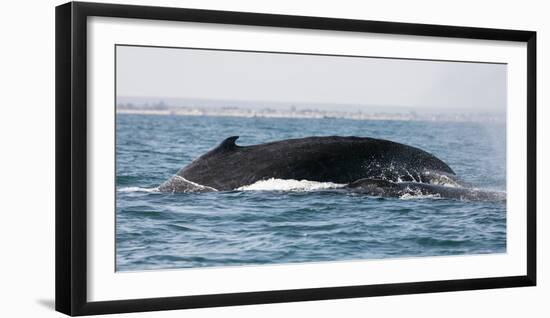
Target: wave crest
137,189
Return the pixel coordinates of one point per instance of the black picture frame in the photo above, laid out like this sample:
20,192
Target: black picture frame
71,157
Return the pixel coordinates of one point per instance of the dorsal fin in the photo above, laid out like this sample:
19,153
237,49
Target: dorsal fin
227,144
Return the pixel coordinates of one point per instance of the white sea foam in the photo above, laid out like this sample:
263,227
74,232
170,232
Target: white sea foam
137,189
289,185
414,196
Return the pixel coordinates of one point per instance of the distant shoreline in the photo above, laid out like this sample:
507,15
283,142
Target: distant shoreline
247,113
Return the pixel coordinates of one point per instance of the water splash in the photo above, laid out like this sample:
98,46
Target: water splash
290,185
416,196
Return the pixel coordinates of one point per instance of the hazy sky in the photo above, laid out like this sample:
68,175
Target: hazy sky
187,73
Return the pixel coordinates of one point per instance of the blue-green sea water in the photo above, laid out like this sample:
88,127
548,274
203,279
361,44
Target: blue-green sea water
157,230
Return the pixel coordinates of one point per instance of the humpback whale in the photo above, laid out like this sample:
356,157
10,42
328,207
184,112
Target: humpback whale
361,163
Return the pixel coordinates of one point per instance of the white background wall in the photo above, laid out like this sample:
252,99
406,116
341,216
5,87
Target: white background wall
27,158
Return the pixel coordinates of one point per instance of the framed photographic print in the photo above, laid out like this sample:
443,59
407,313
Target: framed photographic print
213,158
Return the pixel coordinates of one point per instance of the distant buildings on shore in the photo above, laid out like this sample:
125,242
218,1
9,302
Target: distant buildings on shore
162,108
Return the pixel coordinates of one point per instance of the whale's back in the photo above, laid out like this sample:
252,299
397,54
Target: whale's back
326,159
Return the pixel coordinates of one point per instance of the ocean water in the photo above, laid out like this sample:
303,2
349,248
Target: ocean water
285,221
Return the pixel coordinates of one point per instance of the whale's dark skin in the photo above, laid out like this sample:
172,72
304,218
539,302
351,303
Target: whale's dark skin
325,159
